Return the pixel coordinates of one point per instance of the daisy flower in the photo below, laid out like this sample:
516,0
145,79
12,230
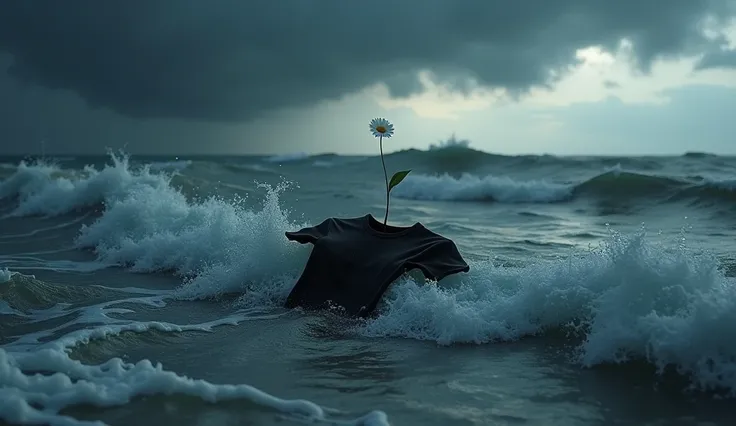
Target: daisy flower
381,128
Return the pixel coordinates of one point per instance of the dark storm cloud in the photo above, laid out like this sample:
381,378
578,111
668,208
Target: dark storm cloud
227,60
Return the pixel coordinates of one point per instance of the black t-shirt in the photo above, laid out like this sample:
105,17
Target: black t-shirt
354,261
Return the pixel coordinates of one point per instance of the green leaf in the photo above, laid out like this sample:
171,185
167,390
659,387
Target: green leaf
397,178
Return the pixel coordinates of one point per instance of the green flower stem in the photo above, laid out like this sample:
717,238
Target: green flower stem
380,144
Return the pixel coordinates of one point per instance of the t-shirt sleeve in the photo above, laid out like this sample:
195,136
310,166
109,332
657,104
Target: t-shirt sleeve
440,260
310,234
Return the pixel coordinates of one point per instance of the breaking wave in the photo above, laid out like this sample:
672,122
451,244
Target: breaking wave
611,184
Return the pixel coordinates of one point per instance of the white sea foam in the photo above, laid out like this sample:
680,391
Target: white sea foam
28,178
114,382
727,184
45,190
148,225
633,299
28,398
473,188
218,246
6,275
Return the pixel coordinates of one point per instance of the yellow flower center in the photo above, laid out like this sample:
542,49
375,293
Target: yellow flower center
380,129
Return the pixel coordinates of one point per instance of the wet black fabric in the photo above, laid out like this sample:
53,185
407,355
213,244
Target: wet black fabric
354,261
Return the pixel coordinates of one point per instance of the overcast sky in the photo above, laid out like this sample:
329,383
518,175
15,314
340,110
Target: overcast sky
265,76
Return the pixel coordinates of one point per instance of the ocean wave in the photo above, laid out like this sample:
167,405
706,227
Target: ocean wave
613,184
46,189
632,185
218,246
287,158
473,188
452,143
257,168
710,193
618,183
627,300
6,275
27,295
27,397
460,156
43,189
450,159
176,165
146,225
697,154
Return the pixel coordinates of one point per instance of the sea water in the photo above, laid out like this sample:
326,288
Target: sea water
138,290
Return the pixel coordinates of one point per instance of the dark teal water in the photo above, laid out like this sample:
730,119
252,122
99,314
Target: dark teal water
600,292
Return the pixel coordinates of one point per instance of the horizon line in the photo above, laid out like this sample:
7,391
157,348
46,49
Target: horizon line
318,154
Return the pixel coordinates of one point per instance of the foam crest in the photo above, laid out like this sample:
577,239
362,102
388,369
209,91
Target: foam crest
46,190
27,179
629,299
473,188
39,399
218,246
6,275
38,379
727,184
